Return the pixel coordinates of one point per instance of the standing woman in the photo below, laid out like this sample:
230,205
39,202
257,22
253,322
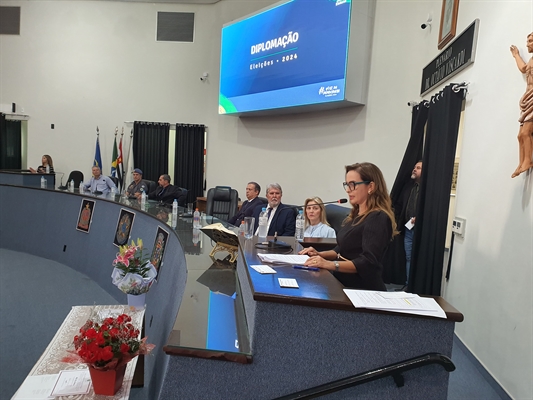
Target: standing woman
46,162
365,233
316,224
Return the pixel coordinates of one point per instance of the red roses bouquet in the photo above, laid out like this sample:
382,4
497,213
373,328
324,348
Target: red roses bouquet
109,344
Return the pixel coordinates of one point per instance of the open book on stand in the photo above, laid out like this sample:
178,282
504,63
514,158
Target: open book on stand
220,234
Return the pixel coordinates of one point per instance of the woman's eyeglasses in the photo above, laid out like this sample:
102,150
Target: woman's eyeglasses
353,184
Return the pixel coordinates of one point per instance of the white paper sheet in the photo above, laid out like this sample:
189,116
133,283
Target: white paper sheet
72,381
264,269
288,282
410,305
292,259
36,387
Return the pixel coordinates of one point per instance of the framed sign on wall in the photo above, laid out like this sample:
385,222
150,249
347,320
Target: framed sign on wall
448,22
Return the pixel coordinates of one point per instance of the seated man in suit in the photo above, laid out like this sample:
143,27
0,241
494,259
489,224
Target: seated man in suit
247,209
165,192
282,218
137,186
99,184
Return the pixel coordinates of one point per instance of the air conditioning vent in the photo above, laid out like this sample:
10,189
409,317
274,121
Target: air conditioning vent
175,27
9,20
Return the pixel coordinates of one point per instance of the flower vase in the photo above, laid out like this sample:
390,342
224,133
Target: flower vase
137,301
107,382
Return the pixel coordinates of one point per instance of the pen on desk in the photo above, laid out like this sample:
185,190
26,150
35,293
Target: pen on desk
305,267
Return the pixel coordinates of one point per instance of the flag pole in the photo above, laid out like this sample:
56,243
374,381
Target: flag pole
97,156
120,164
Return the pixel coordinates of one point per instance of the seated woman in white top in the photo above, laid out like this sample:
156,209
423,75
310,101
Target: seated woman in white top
315,219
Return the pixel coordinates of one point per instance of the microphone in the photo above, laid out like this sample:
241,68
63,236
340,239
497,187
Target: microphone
340,201
61,187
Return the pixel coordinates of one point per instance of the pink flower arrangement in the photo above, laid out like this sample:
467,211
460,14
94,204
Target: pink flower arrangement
133,272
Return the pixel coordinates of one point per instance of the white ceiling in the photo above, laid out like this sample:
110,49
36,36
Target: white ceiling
171,1
166,1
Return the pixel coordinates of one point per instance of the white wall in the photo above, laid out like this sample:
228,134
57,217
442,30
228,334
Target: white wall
82,64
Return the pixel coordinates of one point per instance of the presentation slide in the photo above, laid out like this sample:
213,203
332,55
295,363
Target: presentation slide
292,54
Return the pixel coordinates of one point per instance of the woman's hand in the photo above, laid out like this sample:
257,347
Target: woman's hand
318,262
310,251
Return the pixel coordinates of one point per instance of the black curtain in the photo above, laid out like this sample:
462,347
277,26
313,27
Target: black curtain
150,148
394,258
189,159
434,197
10,143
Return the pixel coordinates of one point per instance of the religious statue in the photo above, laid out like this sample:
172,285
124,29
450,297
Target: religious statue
525,134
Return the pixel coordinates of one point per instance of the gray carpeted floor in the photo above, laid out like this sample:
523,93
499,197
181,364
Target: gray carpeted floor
37,294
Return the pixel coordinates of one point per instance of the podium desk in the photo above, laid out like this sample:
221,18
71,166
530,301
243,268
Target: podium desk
50,361
313,335
26,178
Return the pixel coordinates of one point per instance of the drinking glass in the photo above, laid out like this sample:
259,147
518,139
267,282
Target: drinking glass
249,223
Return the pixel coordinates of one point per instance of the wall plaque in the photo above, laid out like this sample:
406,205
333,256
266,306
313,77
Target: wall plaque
457,56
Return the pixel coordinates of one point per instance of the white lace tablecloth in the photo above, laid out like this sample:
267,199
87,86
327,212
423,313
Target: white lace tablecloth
50,361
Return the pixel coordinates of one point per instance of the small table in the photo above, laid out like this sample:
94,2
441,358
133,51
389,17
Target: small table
50,361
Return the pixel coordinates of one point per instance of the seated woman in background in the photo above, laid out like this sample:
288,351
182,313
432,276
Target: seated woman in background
365,234
316,224
46,162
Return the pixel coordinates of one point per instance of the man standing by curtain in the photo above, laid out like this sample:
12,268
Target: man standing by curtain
409,217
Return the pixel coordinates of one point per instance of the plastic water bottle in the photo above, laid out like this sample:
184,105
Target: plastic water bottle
71,186
175,213
300,223
196,220
43,183
113,192
143,198
242,228
81,188
195,236
47,169
263,223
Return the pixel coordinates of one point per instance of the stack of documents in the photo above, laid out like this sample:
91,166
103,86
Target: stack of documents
292,259
400,302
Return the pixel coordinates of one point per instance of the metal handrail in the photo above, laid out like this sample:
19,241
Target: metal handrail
394,370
